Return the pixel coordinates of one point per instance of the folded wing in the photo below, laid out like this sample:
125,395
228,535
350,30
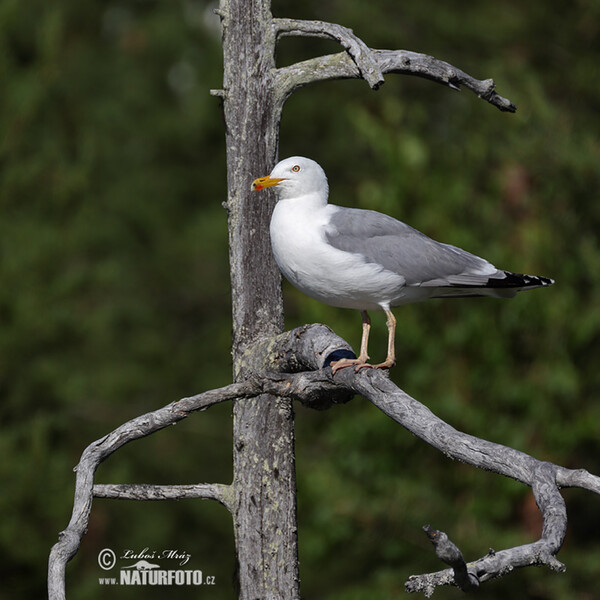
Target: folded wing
399,248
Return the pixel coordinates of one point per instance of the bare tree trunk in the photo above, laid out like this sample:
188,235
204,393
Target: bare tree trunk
263,498
264,481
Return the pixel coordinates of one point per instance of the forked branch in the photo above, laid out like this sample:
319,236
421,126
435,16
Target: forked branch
360,61
69,540
317,344
495,564
544,478
313,347
360,53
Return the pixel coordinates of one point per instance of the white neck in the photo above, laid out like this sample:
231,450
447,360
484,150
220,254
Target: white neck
310,201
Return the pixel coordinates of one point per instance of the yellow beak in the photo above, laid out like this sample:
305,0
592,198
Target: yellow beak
265,182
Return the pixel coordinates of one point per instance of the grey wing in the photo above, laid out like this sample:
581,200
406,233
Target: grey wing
399,248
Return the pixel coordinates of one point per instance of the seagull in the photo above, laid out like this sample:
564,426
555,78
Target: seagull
366,260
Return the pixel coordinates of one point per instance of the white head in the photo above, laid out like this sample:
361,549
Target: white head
294,177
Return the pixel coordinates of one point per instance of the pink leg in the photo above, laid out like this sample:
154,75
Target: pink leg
390,361
363,356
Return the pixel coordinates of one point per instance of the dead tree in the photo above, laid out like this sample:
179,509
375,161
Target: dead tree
273,368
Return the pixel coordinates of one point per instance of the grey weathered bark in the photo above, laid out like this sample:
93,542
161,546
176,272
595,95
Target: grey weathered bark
308,350
271,368
264,481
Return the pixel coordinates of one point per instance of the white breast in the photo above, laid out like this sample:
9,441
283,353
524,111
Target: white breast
320,271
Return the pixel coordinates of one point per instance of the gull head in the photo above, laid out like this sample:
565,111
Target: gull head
295,177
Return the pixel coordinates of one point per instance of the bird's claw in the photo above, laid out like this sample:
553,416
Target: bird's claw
344,363
386,364
359,364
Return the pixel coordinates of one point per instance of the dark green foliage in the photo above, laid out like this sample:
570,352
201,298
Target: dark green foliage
114,284
114,296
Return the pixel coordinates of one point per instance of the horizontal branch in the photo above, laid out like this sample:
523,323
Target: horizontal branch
341,66
210,491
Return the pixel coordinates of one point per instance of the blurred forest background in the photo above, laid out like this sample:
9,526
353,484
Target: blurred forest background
114,285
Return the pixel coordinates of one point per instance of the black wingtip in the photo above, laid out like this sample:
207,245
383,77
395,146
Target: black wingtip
520,280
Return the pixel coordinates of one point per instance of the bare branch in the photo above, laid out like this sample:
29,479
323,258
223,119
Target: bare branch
497,564
419,420
540,475
69,540
579,478
341,66
211,491
543,477
360,53
316,343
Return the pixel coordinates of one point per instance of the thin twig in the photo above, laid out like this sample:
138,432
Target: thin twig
448,552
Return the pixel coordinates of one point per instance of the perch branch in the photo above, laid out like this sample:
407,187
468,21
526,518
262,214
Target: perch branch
543,477
316,343
341,66
358,51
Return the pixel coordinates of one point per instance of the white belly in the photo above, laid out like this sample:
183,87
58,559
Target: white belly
325,273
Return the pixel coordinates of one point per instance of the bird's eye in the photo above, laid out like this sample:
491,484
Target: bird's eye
296,168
